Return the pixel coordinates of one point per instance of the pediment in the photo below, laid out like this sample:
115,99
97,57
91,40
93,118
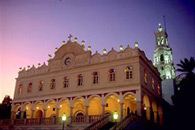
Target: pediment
69,48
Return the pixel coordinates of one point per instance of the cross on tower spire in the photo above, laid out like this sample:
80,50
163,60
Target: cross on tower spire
70,36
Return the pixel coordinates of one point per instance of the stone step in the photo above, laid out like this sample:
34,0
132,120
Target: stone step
78,126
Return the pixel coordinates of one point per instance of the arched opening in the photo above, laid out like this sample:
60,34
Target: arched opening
52,84
50,109
160,115
64,106
112,104
41,85
78,106
38,106
79,114
17,110
161,57
146,108
168,72
27,111
38,114
129,105
80,80
66,82
29,89
95,106
154,111
20,89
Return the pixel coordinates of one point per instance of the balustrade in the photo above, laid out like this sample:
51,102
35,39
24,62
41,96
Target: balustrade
98,124
50,121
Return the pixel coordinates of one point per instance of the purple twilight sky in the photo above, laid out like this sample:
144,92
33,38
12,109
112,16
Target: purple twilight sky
31,29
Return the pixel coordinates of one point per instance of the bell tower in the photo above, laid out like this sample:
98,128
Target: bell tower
163,61
163,58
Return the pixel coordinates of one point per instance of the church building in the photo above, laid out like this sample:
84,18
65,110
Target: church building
85,86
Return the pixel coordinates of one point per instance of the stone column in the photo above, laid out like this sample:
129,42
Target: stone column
32,114
139,108
148,112
71,108
161,119
103,110
44,113
22,115
121,109
13,114
86,113
155,116
57,114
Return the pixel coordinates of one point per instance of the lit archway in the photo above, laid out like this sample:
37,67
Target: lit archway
64,107
154,110
27,110
160,115
112,104
17,110
50,108
146,107
78,106
95,106
129,105
38,107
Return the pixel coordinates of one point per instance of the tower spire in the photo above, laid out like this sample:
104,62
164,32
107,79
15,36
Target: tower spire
164,23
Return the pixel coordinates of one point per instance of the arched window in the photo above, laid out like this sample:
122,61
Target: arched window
145,77
52,83
80,80
112,75
161,57
128,71
95,77
158,89
153,84
66,82
41,85
20,89
29,89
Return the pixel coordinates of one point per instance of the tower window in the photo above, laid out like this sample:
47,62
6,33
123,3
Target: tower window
95,77
161,57
20,89
158,89
129,73
41,85
112,75
29,89
52,83
80,80
66,82
145,77
153,84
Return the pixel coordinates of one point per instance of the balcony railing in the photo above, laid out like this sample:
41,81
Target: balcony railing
50,121
124,122
98,124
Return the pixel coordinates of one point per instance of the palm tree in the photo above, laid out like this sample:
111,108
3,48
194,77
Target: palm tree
183,97
187,66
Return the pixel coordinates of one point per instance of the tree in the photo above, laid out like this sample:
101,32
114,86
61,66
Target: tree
183,98
5,108
187,66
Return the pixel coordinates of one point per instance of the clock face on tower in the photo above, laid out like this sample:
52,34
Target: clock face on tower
67,61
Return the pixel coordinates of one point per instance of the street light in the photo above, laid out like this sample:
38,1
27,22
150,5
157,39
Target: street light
115,115
63,120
